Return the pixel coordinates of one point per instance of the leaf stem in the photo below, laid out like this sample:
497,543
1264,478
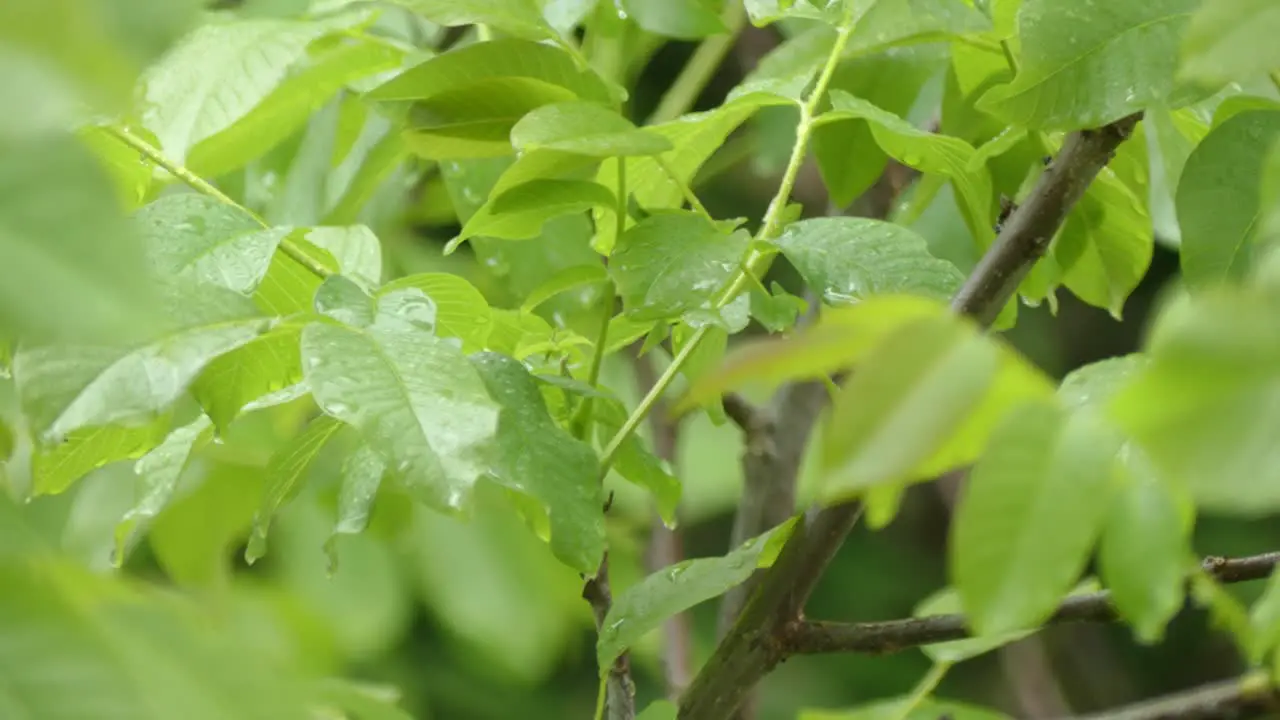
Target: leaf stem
689,196
702,65
204,187
923,689
756,261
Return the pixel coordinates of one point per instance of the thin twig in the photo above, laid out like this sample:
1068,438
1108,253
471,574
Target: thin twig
755,643
1239,697
892,636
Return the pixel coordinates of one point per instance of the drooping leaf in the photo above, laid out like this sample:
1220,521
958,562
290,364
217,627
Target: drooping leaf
1205,407
673,262
220,73
1033,507
362,473
535,456
285,473
923,402
65,388
1145,545
584,128
1219,197
159,471
674,589
1229,40
55,467
198,238
287,107
460,310
413,397
850,259
635,463
1105,246
519,213
1085,69
568,279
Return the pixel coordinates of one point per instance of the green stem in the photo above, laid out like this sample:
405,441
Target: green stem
581,422
757,261
1275,78
702,65
685,190
200,185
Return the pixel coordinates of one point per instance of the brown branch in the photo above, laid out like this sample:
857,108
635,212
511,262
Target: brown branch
1238,697
620,692
809,638
666,545
755,644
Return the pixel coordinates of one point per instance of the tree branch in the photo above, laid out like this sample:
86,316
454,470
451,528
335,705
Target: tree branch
1252,693
620,692
755,642
809,638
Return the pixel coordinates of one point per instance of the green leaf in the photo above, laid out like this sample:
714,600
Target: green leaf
362,701
1229,40
460,310
849,259
1264,619
190,236
160,471
673,262
70,269
786,72
764,12
1085,69
1171,136
55,467
946,602
362,474
535,456
522,18
1202,408
288,106
584,128
340,298
413,397
1145,544
928,709
354,248
659,710
635,463
680,19
268,364
1105,246
285,472
533,67
674,589
928,152
777,310
1219,197
1032,510
922,402
66,388
841,338
568,279
896,22
519,213
91,645
220,73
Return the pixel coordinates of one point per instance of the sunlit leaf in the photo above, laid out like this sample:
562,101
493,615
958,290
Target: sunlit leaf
537,457
850,259
1219,197
460,310
673,262
1084,69
54,467
644,606
1105,246
354,248
266,364
1033,507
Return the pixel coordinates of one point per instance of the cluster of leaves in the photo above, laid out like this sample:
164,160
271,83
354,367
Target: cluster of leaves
210,303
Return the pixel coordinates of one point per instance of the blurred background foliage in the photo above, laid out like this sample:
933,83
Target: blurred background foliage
478,621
